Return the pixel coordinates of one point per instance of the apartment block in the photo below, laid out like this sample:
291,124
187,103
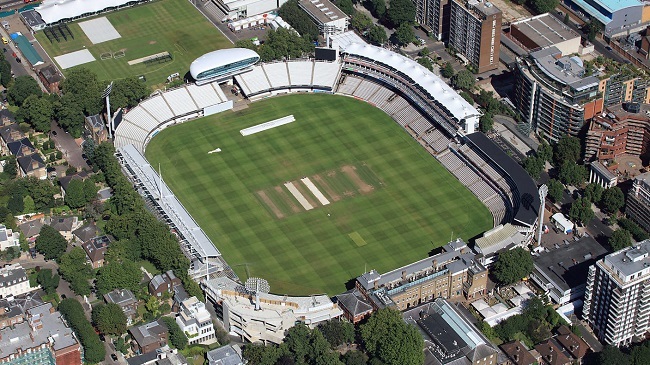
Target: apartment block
617,296
455,274
637,205
14,281
433,16
475,32
194,320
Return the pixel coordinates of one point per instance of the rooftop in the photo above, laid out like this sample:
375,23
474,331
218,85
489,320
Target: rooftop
12,274
518,353
96,247
324,11
545,30
63,224
86,232
354,302
484,8
148,333
564,70
498,238
225,355
603,171
31,163
121,297
631,260
567,265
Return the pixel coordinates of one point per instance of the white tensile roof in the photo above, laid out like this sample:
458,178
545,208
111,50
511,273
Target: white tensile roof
219,58
53,11
436,87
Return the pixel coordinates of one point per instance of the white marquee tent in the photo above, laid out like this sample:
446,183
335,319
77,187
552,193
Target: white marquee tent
52,11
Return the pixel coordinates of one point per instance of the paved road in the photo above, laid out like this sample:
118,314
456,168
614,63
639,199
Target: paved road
67,145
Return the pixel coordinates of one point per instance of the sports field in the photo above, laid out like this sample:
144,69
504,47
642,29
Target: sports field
312,204
173,26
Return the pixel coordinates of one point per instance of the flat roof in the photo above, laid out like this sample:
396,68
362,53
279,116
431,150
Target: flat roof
324,11
529,202
564,70
545,30
603,171
53,11
483,7
567,265
631,260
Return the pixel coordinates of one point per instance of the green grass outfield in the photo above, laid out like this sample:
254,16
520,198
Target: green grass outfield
174,26
415,209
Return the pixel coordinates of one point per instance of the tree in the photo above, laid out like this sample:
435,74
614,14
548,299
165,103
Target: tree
360,21
346,6
337,332
463,80
620,239
400,12
47,281
635,230
426,62
378,8
354,357
299,20
176,336
404,34
5,72
512,266
22,88
86,88
16,204
258,354
555,190
128,92
73,312
572,174
122,275
37,111
487,100
89,190
387,337
581,211
377,35
109,319
593,192
447,70
545,151
613,199
613,356
283,43
485,124
74,268
70,114
28,205
543,6
592,29
534,166
11,167
567,149
74,194
641,354
51,243
566,20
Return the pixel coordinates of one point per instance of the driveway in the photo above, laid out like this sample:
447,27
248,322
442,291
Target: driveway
67,145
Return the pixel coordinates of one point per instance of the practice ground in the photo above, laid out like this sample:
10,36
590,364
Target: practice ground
174,26
390,202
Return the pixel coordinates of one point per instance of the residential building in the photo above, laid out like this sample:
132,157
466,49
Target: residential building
552,354
236,308
180,295
162,356
126,300
622,129
195,321
450,337
326,15
14,281
637,204
354,305
475,32
163,283
562,272
65,181
13,309
95,249
433,16
96,128
571,343
86,232
21,147
617,297
518,353
149,337
32,228
65,225
42,339
600,174
225,355
8,238
50,78
618,16
454,274
32,165
545,30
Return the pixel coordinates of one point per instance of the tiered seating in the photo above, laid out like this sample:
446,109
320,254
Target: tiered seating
380,99
498,208
255,80
180,101
366,90
139,117
300,73
450,161
436,140
206,95
157,107
326,74
420,126
466,176
482,190
406,116
348,85
277,74
395,105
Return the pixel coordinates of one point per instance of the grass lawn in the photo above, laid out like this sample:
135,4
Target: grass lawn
174,26
391,202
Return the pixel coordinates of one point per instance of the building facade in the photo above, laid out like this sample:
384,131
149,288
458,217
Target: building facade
617,297
454,274
475,32
14,281
8,238
195,321
637,205
433,15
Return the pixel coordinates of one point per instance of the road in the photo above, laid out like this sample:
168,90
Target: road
68,146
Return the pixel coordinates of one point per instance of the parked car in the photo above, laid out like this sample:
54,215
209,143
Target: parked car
114,357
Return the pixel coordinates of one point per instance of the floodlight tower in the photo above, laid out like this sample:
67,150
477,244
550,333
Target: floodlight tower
257,286
543,191
106,95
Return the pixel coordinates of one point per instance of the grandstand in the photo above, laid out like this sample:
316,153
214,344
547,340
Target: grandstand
154,114
280,77
205,258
